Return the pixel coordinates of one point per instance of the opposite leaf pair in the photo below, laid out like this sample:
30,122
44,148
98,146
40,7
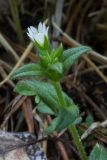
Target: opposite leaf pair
53,65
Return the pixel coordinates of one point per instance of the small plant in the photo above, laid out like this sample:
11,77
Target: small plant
49,96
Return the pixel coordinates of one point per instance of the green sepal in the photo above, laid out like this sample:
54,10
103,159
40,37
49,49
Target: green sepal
43,48
56,54
44,61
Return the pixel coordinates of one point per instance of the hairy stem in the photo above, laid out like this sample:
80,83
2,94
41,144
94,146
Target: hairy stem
72,128
59,93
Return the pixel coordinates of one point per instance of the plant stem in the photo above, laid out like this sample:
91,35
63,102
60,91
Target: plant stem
59,93
72,128
76,138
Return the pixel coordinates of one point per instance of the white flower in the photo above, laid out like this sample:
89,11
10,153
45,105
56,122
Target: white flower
39,34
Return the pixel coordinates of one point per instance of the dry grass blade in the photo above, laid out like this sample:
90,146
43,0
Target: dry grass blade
5,65
20,102
27,111
22,58
94,55
7,46
4,75
92,128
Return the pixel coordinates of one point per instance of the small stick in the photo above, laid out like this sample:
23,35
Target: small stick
93,127
22,58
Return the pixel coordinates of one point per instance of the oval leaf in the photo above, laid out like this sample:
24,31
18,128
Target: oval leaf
66,117
44,90
98,153
28,70
71,55
43,108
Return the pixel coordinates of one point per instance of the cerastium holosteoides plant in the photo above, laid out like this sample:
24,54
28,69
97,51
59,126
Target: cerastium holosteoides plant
53,65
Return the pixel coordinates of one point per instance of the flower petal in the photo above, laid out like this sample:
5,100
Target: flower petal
32,32
40,38
33,29
40,28
43,28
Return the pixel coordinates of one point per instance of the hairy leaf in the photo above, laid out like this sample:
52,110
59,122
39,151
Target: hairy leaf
44,90
98,153
24,89
28,70
66,117
43,108
71,55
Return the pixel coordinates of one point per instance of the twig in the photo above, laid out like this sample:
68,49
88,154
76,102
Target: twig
96,133
94,55
44,143
27,112
74,15
95,68
92,103
91,70
4,75
12,111
5,65
93,127
22,58
7,46
84,11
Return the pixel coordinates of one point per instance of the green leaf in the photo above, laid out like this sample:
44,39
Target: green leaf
43,108
24,89
71,55
66,117
44,90
54,71
28,70
52,126
98,153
